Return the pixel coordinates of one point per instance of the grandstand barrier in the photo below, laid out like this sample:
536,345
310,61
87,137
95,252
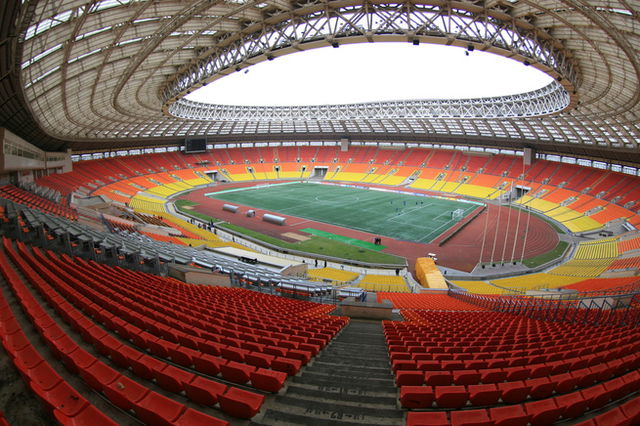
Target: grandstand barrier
595,308
193,275
367,310
230,208
271,218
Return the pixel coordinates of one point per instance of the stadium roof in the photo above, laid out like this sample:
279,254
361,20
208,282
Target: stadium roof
108,74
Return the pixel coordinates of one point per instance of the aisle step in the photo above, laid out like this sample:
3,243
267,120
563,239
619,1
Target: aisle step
349,383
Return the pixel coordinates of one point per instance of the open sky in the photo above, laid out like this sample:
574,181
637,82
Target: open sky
373,72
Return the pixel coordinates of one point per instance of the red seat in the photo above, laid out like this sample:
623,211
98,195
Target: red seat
558,367
268,380
124,392
209,347
29,357
597,396
63,345
43,376
484,394
204,391
617,387
403,364
632,380
409,378
208,364
573,404
509,415
259,360
288,365
428,365
433,418
275,351
564,382
302,355
183,355
631,409
107,344
172,378
513,392
237,372
543,412
99,375
240,403
123,355
89,415
466,377
61,397
451,396
541,387
156,409
470,418
233,354
161,347
193,417
517,373
437,378
602,372
492,375
417,396
146,366
585,377
451,365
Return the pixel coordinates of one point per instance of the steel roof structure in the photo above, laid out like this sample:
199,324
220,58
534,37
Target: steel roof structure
109,74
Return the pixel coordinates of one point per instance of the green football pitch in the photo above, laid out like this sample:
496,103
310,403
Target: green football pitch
400,216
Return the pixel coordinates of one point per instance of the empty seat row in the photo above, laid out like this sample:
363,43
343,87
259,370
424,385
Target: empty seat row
263,379
122,390
459,396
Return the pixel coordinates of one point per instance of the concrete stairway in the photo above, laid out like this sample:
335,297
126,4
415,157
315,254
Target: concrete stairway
349,383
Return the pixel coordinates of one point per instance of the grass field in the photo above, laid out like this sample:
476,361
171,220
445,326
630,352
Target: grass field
323,246
400,216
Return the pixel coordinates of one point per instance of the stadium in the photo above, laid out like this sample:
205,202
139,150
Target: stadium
464,261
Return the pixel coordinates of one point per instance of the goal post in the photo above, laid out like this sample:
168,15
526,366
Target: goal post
457,214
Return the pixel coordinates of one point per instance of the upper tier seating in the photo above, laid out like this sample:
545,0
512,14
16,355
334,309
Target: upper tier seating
26,198
565,194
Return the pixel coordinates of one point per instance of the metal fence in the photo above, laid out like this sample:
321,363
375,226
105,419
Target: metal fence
619,308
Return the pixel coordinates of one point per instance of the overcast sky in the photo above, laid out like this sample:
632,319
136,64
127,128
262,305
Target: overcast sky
373,72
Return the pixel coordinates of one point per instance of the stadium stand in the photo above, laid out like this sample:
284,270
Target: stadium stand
375,282
512,369
20,196
264,360
335,276
438,302
443,171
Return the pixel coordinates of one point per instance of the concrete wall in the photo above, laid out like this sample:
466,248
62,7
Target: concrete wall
19,159
198,276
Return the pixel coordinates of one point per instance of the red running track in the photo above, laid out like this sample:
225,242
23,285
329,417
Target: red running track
462,252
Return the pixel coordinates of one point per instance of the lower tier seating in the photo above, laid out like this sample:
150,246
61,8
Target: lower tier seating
502,369
146,325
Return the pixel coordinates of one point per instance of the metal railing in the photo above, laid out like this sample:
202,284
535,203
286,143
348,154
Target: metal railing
609,307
